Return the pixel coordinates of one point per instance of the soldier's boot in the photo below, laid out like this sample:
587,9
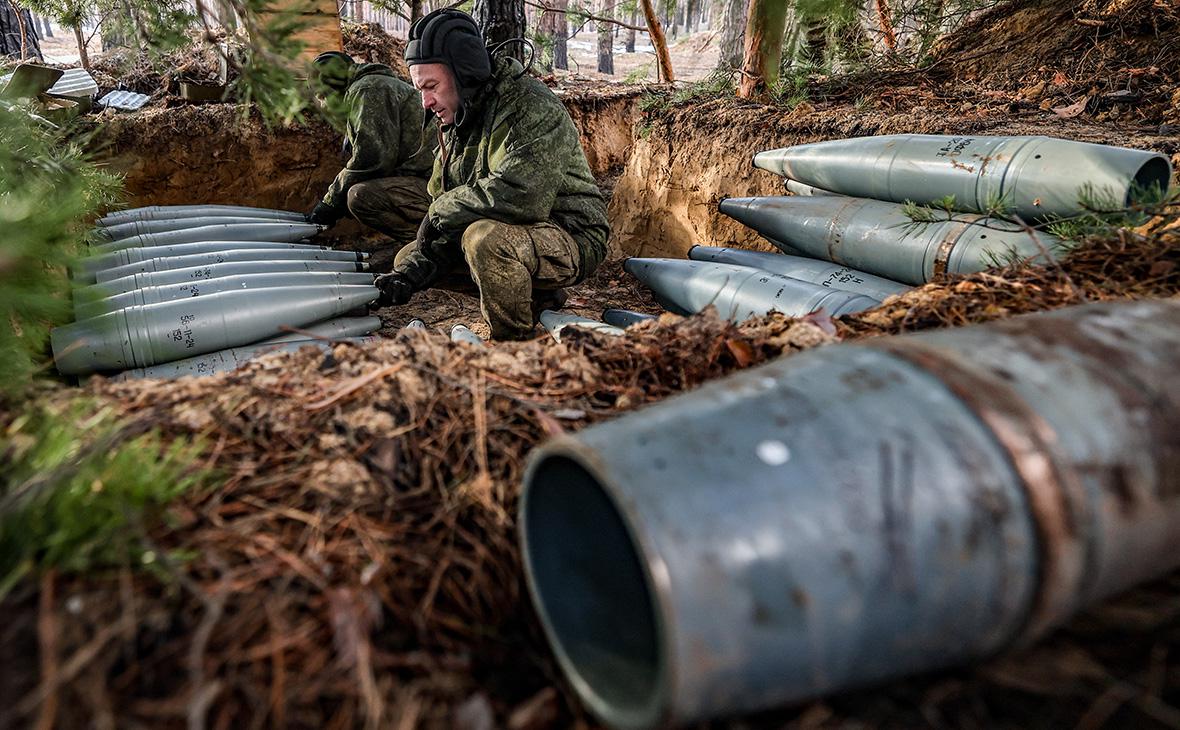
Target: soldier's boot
544,299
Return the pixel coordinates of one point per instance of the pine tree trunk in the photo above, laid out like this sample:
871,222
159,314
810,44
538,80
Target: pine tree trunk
630,40
733,33
561,29
47,27
16,33
415,10
690,12
114,29
547,30
885,21
663,58
226,15
83,57
764,47
606,45
501,20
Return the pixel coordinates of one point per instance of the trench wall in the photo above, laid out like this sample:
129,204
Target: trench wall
211,154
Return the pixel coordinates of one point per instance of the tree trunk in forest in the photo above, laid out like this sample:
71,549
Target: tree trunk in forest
16,33
690,11
547,30
561,29
606,41
885,21
114,28
225,15
764,47
83,56
733,32
663,58
630,40
47,27
415,10
501,20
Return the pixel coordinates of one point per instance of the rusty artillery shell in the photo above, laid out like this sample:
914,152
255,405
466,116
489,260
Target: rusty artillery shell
857,513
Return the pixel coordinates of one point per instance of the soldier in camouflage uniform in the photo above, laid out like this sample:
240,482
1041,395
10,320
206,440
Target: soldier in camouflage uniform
511,191
383,185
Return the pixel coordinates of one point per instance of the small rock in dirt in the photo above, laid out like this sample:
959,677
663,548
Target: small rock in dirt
1034,92
475,714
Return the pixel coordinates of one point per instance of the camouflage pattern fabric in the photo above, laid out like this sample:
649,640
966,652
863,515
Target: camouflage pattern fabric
393,205
516,160
509,264
383,134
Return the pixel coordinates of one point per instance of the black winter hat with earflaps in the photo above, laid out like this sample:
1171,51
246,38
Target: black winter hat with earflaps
451,37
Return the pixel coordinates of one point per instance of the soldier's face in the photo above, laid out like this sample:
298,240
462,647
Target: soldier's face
439,93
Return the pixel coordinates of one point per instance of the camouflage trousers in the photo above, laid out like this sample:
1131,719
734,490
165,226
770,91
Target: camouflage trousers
508,263
394,206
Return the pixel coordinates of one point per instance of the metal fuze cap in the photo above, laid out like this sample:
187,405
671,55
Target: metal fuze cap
451,37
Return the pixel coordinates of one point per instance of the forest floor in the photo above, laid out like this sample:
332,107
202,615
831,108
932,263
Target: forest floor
358,564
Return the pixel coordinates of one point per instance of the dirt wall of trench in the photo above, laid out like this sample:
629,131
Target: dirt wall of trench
210,154
686,159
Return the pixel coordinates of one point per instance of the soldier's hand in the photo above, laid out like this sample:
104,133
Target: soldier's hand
426,232
324,214
395,289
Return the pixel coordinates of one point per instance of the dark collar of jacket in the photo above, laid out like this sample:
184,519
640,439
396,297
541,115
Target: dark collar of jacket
505,71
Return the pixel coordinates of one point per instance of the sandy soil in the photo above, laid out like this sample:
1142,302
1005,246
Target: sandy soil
62,48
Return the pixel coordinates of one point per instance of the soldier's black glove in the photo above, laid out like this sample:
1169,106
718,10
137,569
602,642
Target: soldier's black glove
324,214
395,289
427,233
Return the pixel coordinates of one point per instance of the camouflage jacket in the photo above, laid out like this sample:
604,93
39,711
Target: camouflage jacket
383,136
517,159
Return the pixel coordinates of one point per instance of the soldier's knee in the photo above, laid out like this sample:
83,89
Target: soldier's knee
360,200
404,253
485,239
